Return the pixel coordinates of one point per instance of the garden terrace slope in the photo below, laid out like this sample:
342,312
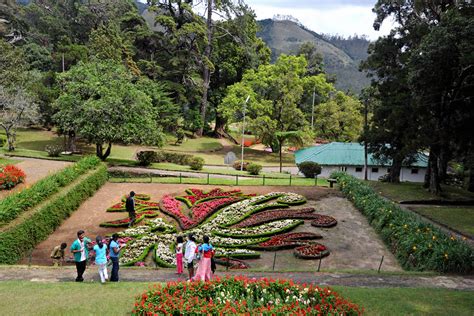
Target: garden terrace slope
17,240
15,204
416,244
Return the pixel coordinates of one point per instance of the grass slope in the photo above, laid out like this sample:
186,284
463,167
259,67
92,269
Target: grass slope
38,298
459,218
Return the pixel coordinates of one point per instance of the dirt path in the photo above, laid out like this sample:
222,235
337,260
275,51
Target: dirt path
35,169
67,274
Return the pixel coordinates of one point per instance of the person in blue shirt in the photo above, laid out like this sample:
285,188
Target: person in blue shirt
81,253
114,252
101,258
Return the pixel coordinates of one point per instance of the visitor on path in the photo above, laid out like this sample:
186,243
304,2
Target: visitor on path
179,254
58,254
114,252
101,258
206,251
189,254
81,253
130,206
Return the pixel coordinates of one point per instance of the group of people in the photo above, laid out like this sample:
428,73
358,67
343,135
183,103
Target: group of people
80,249
203,255
194,255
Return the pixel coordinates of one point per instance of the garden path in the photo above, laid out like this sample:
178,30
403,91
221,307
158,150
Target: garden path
35,169
67,274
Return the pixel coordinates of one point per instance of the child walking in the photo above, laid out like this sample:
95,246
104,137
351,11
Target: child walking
101,259
179,254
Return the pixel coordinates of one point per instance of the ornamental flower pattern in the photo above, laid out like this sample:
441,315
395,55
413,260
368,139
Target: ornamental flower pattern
239,225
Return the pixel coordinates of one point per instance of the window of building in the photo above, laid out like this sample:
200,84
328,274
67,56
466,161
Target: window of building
414,171
358,169
375,170
343,169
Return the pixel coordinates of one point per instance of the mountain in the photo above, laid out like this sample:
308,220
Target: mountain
341,56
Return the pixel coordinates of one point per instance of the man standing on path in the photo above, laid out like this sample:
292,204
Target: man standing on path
130,206
81,253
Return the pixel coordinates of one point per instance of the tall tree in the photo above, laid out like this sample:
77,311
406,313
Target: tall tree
99,102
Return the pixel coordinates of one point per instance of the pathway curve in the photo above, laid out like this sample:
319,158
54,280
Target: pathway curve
66,274
35,169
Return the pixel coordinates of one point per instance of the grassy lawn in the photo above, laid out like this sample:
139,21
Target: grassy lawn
220,181
38,298
415,191
459,218
7,161
32,143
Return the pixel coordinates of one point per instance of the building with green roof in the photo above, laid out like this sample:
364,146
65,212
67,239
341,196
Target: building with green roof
349,157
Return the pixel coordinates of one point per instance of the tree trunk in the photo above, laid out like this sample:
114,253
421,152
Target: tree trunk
443,165
395,169
434,184
220,125
11,137
99,151
71,142
206,74
431,160
281,149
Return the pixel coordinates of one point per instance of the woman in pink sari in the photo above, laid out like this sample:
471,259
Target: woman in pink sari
206,251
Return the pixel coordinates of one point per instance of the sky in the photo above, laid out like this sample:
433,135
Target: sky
343,17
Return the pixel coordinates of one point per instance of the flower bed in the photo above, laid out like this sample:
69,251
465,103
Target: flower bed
304,213
416,244
312,251
124,222
242,296
288,240
11,176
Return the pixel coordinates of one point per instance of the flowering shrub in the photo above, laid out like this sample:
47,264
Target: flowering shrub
416,244
242,296
10,176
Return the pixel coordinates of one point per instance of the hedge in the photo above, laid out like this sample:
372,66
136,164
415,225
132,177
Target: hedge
12,206
18,240
416,244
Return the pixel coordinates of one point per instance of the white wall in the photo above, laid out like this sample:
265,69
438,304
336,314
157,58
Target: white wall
405,174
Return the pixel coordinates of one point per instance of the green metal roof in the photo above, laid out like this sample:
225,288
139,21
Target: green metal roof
345,154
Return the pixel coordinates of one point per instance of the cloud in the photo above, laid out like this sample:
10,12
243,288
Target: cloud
341,17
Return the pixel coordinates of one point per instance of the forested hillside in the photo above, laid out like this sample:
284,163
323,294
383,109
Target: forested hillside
341,56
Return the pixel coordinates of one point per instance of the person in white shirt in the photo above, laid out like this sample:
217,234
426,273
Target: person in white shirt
189,253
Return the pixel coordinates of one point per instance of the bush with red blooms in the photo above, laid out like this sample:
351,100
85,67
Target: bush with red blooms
10,176
242,296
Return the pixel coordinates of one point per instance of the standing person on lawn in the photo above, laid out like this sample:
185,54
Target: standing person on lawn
58,254
204,271
179,254
130,206
189,254
114,252
81,253
101,258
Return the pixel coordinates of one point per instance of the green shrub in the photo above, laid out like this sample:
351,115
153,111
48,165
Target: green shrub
163,156
416,244
53,150
254,168
196,163
13,205
237,164
310,169
146,157
18,240
3,141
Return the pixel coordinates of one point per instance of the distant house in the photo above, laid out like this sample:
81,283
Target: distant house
349,157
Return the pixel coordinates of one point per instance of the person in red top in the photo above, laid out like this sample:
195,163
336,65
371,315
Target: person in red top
206,251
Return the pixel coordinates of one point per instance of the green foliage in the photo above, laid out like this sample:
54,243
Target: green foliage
416,244
15,204
53,150
146,157
196,163
238,164
310,169
254,168
16,241
100,102
38,57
